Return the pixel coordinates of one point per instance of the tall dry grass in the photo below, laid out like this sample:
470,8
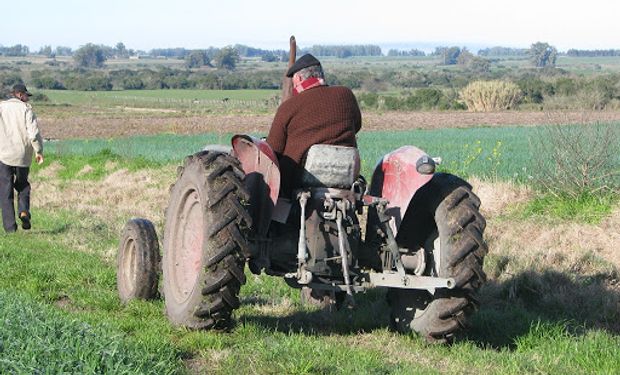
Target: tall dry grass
489,96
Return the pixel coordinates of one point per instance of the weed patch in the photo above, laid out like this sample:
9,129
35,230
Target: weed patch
585,208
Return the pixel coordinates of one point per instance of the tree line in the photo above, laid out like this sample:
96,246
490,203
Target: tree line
93,55
593,53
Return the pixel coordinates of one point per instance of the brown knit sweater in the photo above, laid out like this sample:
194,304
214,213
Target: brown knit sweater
321,115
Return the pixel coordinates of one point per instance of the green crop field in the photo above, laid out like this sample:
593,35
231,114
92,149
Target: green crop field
485,152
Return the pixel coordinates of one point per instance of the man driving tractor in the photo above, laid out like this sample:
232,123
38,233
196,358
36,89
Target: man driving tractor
315,114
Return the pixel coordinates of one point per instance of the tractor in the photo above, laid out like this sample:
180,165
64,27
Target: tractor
422,240
414,231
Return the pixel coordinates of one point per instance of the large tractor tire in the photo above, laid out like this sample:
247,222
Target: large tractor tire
454,247
138,261
204,241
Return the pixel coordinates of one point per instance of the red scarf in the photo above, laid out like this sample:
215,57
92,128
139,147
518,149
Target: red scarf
308,84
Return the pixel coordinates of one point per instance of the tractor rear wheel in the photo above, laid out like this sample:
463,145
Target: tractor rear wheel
138,261
204,241
455,248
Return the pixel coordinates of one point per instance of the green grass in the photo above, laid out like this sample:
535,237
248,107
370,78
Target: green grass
37,338
63,103
586,208
93,166
61,300
83,97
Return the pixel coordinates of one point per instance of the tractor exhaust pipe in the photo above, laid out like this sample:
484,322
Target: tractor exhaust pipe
287,82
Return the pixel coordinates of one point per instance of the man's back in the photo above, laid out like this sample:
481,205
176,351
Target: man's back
17,130
321,115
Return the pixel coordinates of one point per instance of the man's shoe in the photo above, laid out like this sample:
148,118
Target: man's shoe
25,218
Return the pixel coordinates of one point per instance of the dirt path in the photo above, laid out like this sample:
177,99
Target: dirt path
107,127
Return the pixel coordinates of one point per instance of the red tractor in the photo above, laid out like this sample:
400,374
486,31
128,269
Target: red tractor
423,238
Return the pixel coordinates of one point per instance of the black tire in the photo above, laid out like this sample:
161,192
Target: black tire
205,241
138,261
453,222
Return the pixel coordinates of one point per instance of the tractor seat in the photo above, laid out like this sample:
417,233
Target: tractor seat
331,166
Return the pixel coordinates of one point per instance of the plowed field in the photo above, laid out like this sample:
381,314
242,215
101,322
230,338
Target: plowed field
155,122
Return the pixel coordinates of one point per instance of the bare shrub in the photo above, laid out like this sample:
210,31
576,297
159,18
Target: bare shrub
487,96
579,159
592,99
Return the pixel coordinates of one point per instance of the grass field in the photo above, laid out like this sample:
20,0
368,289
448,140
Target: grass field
107,97
174,100
550,306
504,152
61,313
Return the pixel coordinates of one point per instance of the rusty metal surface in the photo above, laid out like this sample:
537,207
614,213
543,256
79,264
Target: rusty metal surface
262,171
399,180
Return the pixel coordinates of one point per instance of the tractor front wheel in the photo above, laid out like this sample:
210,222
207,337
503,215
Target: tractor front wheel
138,261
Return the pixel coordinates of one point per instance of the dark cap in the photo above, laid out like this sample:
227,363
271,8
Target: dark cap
20,87
303,62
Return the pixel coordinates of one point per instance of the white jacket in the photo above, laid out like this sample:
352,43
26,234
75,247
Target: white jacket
19,133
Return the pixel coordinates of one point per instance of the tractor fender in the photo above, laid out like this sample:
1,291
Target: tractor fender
262,171
397,179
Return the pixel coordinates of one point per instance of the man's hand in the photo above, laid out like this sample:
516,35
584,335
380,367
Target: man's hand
39,158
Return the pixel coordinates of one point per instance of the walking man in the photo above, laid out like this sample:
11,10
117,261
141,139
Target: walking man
19,140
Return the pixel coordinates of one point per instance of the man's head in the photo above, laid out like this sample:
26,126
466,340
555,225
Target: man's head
21,92
303,70
305,62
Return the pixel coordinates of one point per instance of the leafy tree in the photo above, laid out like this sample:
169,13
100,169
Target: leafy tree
16,50
269,57
343,51
47,82
542,54
45,51
170,52
464,57
227,58
413,52
196,59
120,50
63,51
475,63
503,51
90,56
449,55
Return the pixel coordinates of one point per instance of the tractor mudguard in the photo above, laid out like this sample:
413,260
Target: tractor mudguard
262,177
396,179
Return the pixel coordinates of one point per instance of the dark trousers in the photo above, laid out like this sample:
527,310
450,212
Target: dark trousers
13,178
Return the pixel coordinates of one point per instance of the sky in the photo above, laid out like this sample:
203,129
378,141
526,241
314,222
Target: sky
147,24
